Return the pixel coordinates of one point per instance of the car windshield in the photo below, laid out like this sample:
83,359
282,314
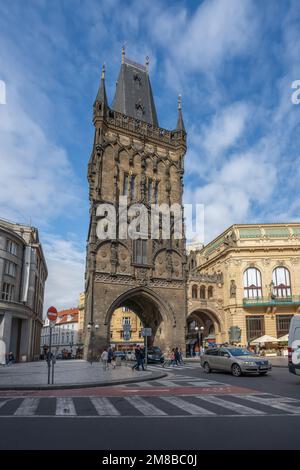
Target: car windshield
155,349
239,352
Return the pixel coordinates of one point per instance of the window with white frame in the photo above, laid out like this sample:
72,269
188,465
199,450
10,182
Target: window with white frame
8,291
11,247
252,283
282,282
10,268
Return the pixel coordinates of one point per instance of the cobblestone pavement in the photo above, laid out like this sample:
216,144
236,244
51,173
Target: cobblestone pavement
66,372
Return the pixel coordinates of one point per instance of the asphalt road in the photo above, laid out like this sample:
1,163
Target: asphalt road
238,413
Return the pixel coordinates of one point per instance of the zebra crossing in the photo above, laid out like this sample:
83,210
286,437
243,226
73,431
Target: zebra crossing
169,367
234,405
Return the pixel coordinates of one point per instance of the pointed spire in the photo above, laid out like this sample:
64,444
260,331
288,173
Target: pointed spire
180,123
101,95
147,63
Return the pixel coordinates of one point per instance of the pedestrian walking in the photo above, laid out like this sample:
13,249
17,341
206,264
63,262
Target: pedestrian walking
11,359
110,359
104,359
142,358
172,357
181,357
137,353
176,356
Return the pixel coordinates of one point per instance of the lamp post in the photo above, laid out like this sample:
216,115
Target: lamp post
200,337
91,326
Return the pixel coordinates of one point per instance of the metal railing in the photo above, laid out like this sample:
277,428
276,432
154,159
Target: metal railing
268,301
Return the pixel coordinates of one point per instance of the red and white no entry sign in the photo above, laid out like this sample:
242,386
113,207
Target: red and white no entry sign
52,314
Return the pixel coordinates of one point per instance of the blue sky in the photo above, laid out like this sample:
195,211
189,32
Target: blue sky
233,61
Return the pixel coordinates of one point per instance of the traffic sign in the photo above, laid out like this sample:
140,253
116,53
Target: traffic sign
52,314
147,332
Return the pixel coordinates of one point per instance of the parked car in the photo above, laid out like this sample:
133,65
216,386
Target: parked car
120,354
155,355
130,356
293,347
238,361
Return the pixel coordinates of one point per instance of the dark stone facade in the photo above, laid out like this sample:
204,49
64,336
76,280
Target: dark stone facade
132,156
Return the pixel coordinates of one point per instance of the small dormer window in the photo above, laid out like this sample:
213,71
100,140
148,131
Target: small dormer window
137,80
139,108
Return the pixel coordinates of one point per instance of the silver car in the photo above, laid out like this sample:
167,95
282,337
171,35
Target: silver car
238,361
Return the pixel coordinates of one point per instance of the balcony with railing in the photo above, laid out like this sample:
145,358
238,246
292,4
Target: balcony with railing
271,301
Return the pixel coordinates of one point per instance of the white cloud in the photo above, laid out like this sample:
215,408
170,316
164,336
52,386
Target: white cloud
36,178
227,126
230,192
217,31
66,262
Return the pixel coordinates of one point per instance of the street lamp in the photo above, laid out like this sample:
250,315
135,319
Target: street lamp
200,337
202,330
90,328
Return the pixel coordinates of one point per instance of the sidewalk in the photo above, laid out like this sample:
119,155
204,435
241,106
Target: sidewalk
69,374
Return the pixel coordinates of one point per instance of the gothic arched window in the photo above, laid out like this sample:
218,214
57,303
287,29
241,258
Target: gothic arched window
194,292
282,282
140,251
252,283
202,292
210,292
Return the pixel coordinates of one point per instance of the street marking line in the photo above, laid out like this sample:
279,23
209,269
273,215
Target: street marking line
28,407
104,407
143,384
146,408
240,409
2,403
206,383
167,383
65,407
188,407
276,403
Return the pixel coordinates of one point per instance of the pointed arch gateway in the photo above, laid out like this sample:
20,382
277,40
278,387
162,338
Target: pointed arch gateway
152,310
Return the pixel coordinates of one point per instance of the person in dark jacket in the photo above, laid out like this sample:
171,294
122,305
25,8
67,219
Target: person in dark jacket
138,358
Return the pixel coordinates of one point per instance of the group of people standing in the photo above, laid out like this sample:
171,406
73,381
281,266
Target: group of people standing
175,357
108,359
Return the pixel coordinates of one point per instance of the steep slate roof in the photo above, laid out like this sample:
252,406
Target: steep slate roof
133,95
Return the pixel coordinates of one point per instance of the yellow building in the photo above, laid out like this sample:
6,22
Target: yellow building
81,318
249,278
122,319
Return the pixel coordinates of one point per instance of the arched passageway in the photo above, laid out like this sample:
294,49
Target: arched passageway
203,327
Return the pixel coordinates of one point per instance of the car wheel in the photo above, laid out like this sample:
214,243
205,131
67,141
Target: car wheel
236,370
263,373
206,368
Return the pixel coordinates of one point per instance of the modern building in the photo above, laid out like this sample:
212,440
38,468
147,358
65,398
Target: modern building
64,334
125,329
23,272
247,280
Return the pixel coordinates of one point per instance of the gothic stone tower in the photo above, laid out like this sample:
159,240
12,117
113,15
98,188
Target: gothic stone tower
133,156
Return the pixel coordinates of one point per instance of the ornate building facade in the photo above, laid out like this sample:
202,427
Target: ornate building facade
247,278
133,157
